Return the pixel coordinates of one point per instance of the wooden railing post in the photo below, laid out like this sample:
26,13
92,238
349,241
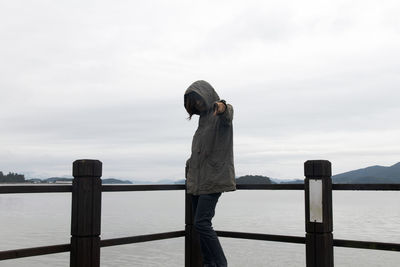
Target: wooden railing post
86,214
318,203
193,256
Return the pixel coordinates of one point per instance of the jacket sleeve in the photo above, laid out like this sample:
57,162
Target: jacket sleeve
227,116
187,168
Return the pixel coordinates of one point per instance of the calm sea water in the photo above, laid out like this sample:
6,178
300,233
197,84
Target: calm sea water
29,220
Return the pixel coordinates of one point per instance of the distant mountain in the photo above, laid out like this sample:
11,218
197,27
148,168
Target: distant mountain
370,175
34,180
56,179
115,181
165,181
296,181
253,179
53,180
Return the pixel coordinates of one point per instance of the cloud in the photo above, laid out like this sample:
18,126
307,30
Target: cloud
307,80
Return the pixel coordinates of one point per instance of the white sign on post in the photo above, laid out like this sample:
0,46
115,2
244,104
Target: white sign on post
315,200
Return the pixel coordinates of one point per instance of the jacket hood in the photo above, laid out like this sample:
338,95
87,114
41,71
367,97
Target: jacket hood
205,91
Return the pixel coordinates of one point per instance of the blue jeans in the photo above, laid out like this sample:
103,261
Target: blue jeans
204,210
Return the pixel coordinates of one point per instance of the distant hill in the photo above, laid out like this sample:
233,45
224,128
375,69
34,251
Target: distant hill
66,180
370,175
56,179
296,181
12,178
115,181
253,179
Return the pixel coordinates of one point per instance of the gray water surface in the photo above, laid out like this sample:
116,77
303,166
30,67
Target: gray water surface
29,220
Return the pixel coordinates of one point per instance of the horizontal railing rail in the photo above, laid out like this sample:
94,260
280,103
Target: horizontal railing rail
366,245
39,251
140,238
301,240
263,237
270,186
150,187
24,189
366,187
27,189
35,251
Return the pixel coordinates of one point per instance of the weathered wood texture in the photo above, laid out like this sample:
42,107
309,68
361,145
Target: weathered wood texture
26,189
366,245
37,251
30,252
319,238
85,251
367,187
193,256
319,250
86,214
270,186
140,238
144,187
264,237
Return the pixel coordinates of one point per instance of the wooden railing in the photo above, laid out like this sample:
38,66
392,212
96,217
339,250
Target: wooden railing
86,192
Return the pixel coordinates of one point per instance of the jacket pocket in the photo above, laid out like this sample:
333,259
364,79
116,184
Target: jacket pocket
216,164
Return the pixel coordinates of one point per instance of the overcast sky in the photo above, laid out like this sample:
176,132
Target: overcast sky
105,80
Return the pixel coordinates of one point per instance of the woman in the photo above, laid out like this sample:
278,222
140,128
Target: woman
209,170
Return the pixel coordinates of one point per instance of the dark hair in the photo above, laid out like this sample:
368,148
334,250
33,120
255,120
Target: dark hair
190,103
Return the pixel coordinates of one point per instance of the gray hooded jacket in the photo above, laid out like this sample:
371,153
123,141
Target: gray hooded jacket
210,168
